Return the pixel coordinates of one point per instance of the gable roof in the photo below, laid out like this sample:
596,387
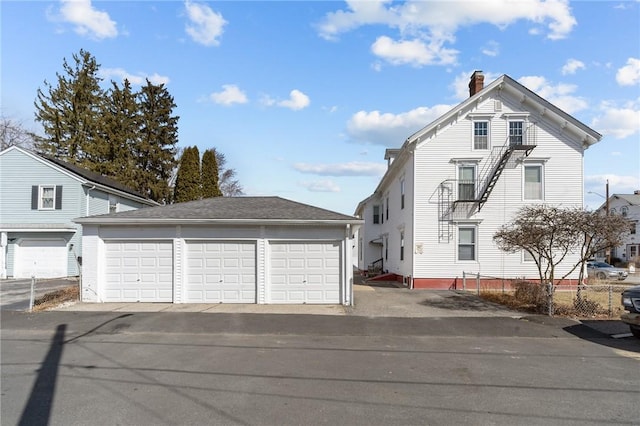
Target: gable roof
239,210
83,175
587,135
632,199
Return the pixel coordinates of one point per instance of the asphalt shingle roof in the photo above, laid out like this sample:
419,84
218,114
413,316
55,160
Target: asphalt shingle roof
229,208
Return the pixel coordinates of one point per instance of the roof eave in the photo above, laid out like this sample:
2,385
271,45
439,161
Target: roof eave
172,221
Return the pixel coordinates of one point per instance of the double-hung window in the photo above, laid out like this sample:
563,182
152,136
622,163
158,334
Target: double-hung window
46,197
113,203
401,245
466,182
516,133
376,214
467,243
387,208
402,194
533,188
480,135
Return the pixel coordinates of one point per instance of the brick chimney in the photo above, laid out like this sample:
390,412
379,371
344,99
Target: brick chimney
477,83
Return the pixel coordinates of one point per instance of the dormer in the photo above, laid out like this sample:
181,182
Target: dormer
390,155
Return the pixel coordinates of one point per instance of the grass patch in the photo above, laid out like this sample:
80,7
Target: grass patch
57,298
510,301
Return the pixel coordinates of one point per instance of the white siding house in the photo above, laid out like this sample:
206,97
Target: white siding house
39,198
456,181
627,205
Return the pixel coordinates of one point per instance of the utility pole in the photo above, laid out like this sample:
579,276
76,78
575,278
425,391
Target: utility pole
606,206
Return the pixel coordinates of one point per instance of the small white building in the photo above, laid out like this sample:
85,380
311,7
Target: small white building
627,205
455,182
220,250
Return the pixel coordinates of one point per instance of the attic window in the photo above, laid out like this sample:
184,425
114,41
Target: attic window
46,197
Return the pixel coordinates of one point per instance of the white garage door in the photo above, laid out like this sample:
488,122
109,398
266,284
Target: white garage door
221,272
138,271
305,272
41,258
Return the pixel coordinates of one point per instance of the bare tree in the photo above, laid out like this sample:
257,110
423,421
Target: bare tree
549,234
12,133
228,184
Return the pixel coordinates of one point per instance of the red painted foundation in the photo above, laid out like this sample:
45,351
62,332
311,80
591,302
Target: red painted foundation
471,283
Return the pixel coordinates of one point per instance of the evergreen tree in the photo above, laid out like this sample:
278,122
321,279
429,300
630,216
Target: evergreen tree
210,174
70,112
188,182
119,135
156,148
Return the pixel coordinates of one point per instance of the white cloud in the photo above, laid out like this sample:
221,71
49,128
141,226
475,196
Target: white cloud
629,75
119,74
205,26
320,186
413,52
231,94
572,66
425,26
560,95
88,21
391,129
619,122
492,48
618,184
354,168
297,101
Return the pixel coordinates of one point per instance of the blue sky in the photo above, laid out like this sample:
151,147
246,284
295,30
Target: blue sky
303,97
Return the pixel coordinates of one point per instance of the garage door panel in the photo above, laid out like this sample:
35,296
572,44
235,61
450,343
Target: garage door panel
138,271
304,272
221,272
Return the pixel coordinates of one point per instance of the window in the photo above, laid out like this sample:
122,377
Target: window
387,208
466,182
481,135
386,248
632,228
401,245
624,211
516,133
527,257
360,253
376,214
402,194
466,243
533,182
46,197
113,204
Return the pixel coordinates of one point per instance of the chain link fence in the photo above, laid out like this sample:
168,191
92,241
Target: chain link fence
594,300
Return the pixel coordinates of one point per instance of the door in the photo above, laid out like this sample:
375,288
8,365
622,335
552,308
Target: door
305,272
139,271
221,272
41,258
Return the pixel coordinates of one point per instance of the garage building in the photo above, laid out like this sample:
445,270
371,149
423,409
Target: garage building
220,250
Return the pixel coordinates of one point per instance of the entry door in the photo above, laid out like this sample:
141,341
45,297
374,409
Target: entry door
221,272
305,272
139,271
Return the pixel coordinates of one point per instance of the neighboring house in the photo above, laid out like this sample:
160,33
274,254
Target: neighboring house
220,250
39,198
627,205
455,182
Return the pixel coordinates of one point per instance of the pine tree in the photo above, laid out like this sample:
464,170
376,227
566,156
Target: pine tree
70,113
156,149
119,135
210,174
188,182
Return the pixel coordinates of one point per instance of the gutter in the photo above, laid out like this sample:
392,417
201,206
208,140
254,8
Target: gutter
261,222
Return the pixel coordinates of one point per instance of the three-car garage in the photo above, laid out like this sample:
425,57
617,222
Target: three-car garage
220,250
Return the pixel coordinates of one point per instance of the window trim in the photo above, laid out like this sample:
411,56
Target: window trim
473,135
402,246
41,189
522,134
402,194
474,243
475,180
540,166
376,217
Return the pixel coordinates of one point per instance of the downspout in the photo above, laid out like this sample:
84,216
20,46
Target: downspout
87,203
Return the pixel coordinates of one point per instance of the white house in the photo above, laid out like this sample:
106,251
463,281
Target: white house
453,183
627,205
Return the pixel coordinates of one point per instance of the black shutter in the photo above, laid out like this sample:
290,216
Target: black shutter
58,197
34,197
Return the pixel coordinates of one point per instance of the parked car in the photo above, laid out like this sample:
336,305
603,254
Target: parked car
631,304
603,271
